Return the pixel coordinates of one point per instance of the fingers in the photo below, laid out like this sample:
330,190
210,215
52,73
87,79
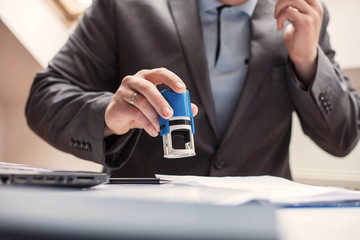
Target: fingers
120,117
316,4
304,6
148,88
164,76
301,5
297,12
151,95
291,10
138,102
143,105
289,14
140,120
194,109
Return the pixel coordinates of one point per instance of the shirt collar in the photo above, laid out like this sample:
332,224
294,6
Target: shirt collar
248,7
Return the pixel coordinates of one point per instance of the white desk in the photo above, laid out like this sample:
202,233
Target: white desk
98,209
319,223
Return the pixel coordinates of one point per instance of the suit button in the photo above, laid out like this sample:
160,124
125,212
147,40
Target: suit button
87,147
72,143
76,144
219,163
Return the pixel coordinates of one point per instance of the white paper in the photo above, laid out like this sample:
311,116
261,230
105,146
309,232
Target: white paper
274,190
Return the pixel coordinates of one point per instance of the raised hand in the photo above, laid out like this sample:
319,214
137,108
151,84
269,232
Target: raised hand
301,36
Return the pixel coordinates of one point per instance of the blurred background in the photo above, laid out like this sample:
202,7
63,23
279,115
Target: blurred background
32,31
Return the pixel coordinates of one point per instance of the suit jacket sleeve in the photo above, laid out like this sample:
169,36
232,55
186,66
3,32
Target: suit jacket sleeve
329,109
68,99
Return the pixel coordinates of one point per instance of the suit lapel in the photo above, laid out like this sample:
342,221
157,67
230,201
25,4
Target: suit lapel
188,25
260,59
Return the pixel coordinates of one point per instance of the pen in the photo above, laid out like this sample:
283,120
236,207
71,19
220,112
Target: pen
138,181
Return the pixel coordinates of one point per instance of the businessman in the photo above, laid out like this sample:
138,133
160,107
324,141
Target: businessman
248,65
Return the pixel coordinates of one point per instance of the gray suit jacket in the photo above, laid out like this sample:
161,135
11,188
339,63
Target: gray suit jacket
116,38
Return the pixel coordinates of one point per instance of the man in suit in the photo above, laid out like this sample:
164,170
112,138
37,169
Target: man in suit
245,68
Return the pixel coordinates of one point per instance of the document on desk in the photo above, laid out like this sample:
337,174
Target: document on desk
268,189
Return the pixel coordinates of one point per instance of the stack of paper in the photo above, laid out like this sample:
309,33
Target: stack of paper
265,189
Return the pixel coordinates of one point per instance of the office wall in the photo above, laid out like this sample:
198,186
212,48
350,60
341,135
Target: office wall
17,142
345,31
35,25
2,132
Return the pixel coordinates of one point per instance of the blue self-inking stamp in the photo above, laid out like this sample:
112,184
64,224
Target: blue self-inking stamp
178,131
